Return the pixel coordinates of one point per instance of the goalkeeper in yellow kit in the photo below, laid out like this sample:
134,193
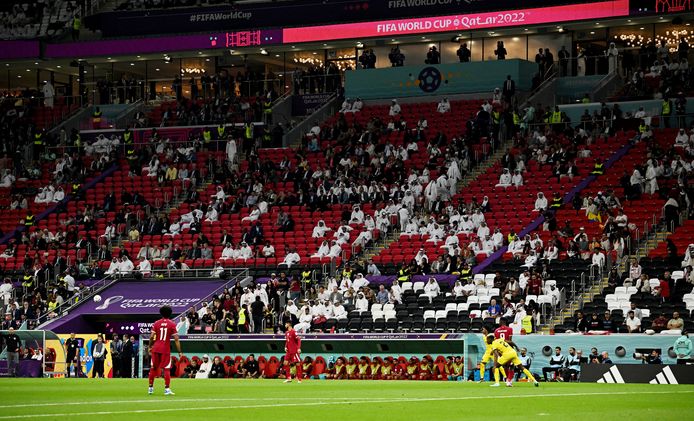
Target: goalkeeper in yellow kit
504,354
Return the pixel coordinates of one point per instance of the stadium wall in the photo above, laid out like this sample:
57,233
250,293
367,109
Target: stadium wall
652,107
441,79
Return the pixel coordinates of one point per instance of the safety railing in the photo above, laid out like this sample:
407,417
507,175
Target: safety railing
295,134
236,275
49,114
72,302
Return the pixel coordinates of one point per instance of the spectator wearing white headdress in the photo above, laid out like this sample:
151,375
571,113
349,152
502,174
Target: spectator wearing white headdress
540,202
320,229
7,179
505,179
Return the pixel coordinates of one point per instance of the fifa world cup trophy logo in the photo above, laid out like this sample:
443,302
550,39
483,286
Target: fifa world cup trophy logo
670,6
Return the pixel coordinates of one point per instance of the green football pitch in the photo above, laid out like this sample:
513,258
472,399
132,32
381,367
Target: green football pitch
325,400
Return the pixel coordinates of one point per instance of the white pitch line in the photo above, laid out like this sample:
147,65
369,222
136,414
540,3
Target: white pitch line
167,400
335,402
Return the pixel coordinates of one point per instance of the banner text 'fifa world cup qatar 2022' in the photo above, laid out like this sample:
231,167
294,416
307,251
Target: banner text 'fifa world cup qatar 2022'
552,14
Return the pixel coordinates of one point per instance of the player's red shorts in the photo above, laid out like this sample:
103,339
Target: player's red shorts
161,361
292,358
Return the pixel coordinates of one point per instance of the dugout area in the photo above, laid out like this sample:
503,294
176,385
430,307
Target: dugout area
330,347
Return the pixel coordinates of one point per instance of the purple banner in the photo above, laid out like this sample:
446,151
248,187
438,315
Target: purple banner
19,49
162,44
147,297
27,368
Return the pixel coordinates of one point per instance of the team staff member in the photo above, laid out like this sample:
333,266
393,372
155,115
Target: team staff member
14,345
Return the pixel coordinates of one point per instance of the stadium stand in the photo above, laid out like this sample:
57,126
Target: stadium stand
654,287
384,208
34,19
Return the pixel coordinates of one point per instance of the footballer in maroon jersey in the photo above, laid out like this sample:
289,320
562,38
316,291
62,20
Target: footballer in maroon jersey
292,357
160,348
506,333
503,331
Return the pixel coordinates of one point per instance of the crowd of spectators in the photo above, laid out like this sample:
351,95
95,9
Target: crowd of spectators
26,19
657,73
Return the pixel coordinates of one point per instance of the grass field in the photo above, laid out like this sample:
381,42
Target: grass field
258,400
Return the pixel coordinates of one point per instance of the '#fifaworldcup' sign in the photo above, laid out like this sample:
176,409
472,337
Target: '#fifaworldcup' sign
489,20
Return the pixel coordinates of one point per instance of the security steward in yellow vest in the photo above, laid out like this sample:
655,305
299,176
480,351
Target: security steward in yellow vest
242,328
221,136
306,279
29,220
207,137
465,273
128,140
598,168
496,118
267,137
28,280
77,143
557,201
75,191
96,117
527,324
129,147
221,131
666,111
267,111
248,137
555,117
39,141
404,273
516,120
347,272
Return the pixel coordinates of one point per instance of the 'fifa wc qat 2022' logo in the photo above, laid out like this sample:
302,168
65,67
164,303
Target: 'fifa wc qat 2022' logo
110,300
147,303
429,79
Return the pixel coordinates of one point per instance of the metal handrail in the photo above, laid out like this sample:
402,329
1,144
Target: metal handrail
77,299
328,109
239,276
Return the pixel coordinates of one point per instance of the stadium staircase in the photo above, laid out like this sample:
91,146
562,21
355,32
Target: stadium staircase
175,203
650,241
646,245
568,272
392,237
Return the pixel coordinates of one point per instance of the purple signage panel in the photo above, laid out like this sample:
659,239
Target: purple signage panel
147,297
226,40
19,49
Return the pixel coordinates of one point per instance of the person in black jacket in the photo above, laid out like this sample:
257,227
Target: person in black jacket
581,324
14,346
128,356
217,370
250,369
433,56
463,53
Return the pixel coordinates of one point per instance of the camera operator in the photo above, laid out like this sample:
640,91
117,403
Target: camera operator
652,358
